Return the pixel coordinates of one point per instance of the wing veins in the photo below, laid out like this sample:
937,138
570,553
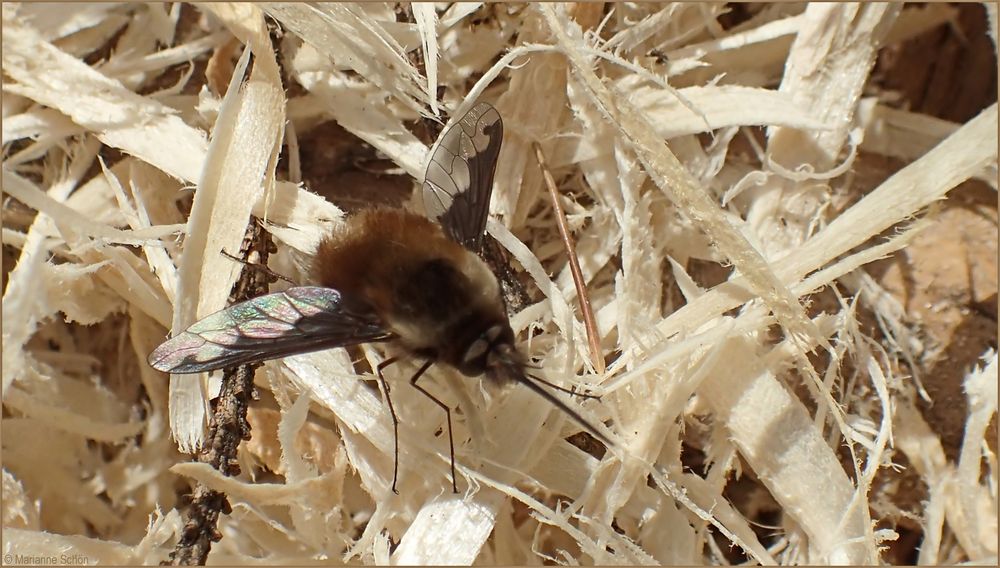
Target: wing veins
333,324
462,207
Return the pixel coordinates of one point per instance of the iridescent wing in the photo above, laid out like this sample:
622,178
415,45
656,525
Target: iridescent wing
459,178
297,320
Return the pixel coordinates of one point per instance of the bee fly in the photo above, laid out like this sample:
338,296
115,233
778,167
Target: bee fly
391,275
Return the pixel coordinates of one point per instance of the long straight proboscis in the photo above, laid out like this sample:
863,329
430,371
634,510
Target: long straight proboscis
524,380
564,389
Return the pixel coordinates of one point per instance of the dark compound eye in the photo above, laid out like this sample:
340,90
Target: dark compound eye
477,355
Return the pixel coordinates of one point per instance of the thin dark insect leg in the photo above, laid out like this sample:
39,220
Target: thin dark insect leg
447,412
563,389
395,420
260,267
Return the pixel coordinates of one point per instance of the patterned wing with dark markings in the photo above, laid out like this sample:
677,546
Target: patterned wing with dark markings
297,320
459,178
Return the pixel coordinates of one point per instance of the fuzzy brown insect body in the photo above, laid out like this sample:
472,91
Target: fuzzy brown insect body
439,300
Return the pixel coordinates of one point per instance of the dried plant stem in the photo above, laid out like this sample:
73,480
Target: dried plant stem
229,427
593,336
229,424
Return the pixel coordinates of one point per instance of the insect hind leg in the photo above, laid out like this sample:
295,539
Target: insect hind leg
395,420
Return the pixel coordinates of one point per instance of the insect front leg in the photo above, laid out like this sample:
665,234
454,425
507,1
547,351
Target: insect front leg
256,266
447,412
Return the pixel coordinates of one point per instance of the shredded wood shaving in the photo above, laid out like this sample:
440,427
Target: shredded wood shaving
765,389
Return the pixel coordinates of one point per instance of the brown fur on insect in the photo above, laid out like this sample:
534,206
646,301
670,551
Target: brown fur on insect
439,299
